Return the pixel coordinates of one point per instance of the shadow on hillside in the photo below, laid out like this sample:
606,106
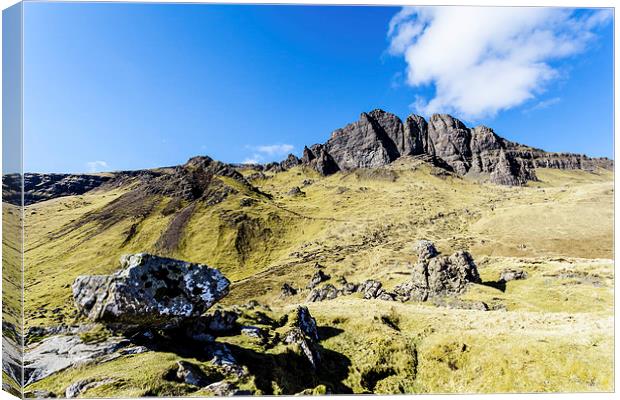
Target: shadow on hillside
292,373
326,332
289,371
499,285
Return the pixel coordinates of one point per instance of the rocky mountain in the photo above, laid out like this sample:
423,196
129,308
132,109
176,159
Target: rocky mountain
379,138
376,140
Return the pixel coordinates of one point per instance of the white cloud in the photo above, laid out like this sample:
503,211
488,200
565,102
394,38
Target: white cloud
255,159
267,152
543,104
96,166
275,149
485,59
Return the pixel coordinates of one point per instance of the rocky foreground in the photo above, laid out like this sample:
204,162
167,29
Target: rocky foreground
160,304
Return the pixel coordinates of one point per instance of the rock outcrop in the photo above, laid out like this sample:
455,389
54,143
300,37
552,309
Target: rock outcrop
303,334
379,138
435,275
149,290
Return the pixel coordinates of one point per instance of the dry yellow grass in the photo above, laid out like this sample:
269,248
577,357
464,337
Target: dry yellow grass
557,332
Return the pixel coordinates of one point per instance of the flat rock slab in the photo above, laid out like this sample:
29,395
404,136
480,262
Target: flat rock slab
57,353
149,290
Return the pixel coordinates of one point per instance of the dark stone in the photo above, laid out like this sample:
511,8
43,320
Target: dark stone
288,290
318,277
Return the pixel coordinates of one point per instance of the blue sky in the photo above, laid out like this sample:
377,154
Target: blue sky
128,86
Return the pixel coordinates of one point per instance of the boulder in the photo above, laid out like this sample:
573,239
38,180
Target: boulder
318,277
221,389
303,333
307,347
253,332
302,319
327,292
512,275
371,289
149,290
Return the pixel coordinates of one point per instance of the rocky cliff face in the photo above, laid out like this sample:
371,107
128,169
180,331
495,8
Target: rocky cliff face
379,138
39,187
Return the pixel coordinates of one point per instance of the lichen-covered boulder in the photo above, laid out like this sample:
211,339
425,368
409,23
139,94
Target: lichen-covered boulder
149,290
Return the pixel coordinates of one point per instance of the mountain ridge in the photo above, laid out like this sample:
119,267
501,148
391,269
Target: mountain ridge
377,139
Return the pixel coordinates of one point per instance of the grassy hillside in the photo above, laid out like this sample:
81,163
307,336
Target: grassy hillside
555,332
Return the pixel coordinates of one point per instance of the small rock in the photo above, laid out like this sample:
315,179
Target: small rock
39,394
222,321
295,191
349,288
246,202
252,331
385,296
288,290
191,374
81,386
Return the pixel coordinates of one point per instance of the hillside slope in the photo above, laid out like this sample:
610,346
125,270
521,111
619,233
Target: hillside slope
264,228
